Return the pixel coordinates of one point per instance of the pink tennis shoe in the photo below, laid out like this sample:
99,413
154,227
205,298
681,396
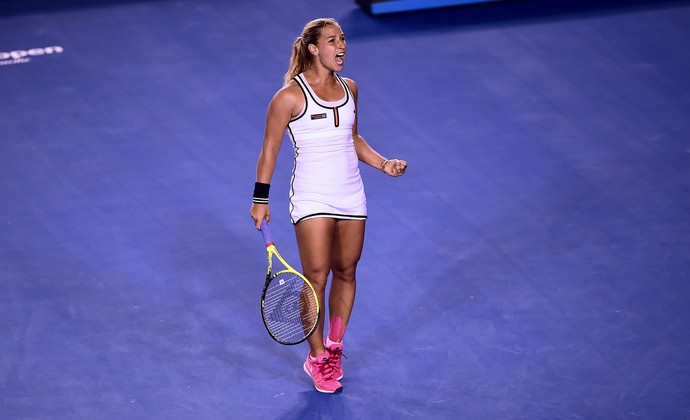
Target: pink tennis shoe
335,356
321,371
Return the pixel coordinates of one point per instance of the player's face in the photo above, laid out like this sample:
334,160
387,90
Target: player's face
332,47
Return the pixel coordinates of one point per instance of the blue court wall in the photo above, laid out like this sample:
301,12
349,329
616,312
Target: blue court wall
377,7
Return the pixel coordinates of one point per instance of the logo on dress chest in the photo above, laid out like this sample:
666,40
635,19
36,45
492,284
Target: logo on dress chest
324,116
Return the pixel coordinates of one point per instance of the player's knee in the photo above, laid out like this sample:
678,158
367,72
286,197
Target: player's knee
346,274
317,278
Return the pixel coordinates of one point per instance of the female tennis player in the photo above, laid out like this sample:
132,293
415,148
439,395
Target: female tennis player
318,108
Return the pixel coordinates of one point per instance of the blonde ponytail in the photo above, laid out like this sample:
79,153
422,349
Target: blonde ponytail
298,61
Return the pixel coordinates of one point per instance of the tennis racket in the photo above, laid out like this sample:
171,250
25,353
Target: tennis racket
289,305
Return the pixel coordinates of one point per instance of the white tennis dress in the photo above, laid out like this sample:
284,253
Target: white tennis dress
325,177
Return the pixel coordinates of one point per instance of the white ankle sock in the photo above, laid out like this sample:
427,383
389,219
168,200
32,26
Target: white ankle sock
329,341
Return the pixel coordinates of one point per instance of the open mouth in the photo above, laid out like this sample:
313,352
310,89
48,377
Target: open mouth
340,58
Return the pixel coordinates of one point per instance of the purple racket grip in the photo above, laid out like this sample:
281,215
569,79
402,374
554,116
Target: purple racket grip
268,239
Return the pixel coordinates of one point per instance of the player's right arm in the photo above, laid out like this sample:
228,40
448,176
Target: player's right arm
285,104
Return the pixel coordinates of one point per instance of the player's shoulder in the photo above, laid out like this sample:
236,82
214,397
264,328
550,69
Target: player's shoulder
289,92
289,99
350,83
291,88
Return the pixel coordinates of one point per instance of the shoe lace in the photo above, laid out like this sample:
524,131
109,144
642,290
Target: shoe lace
335,356
326,369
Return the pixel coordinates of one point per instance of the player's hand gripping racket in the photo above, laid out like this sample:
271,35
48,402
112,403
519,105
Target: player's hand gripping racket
289,305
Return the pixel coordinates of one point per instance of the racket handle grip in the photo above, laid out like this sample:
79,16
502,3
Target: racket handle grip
266,232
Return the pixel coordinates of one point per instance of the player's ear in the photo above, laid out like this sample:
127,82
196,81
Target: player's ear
313,50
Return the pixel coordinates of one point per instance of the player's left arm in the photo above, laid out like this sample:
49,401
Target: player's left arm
366,153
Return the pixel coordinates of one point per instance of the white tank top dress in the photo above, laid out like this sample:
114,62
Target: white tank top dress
326,181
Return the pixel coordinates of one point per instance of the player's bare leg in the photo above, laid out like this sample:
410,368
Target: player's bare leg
315,241
345,254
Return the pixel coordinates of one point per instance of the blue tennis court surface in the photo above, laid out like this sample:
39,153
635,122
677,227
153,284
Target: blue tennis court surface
533,263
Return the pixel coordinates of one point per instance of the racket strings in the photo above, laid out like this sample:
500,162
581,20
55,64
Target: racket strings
289,308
